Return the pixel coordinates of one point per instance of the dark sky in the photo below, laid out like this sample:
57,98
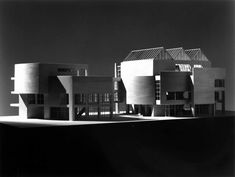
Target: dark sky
100,33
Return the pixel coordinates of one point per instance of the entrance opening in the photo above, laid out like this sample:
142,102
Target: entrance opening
35,112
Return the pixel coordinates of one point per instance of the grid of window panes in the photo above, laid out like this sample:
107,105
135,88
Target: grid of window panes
118,71
95,97
170,95
115,85
106,97
65,70
31,99
157,89
40,99
64,99
216,96
35,98
80,98
115,96
104,111
82,72
183,67
219,82
92,97
197,66
93,110
177,95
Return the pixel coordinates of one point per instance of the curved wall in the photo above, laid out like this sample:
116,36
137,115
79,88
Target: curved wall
140,90
26,78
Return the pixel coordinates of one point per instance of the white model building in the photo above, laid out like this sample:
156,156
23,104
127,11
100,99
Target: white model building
151,82
62,91
172,82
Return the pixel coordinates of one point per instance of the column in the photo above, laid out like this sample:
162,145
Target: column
71,101
23,110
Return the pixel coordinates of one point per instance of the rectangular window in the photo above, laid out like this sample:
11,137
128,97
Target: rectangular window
202,109
67,99
115,85
64,98
92,97
157,82
115,96
183,67
178,95
95,97
170,95
82,72
65,70
118,71
40,99
80,98
189,95
90,100
216,96
101,97
83,98
77,99
31,99
219,83
59,113
106,97
197,66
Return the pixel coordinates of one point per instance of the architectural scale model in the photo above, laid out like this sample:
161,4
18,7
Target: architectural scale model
150,82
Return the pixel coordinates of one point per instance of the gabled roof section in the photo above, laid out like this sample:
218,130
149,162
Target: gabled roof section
196,54
159,53
151,53
178,53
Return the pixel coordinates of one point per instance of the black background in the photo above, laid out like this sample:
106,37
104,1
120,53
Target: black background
100,33
193,147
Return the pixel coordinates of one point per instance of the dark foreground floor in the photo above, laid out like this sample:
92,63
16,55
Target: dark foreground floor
194,147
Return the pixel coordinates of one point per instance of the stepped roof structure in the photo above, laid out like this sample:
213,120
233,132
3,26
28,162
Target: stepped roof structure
196,54
151,53
178,53
159,53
